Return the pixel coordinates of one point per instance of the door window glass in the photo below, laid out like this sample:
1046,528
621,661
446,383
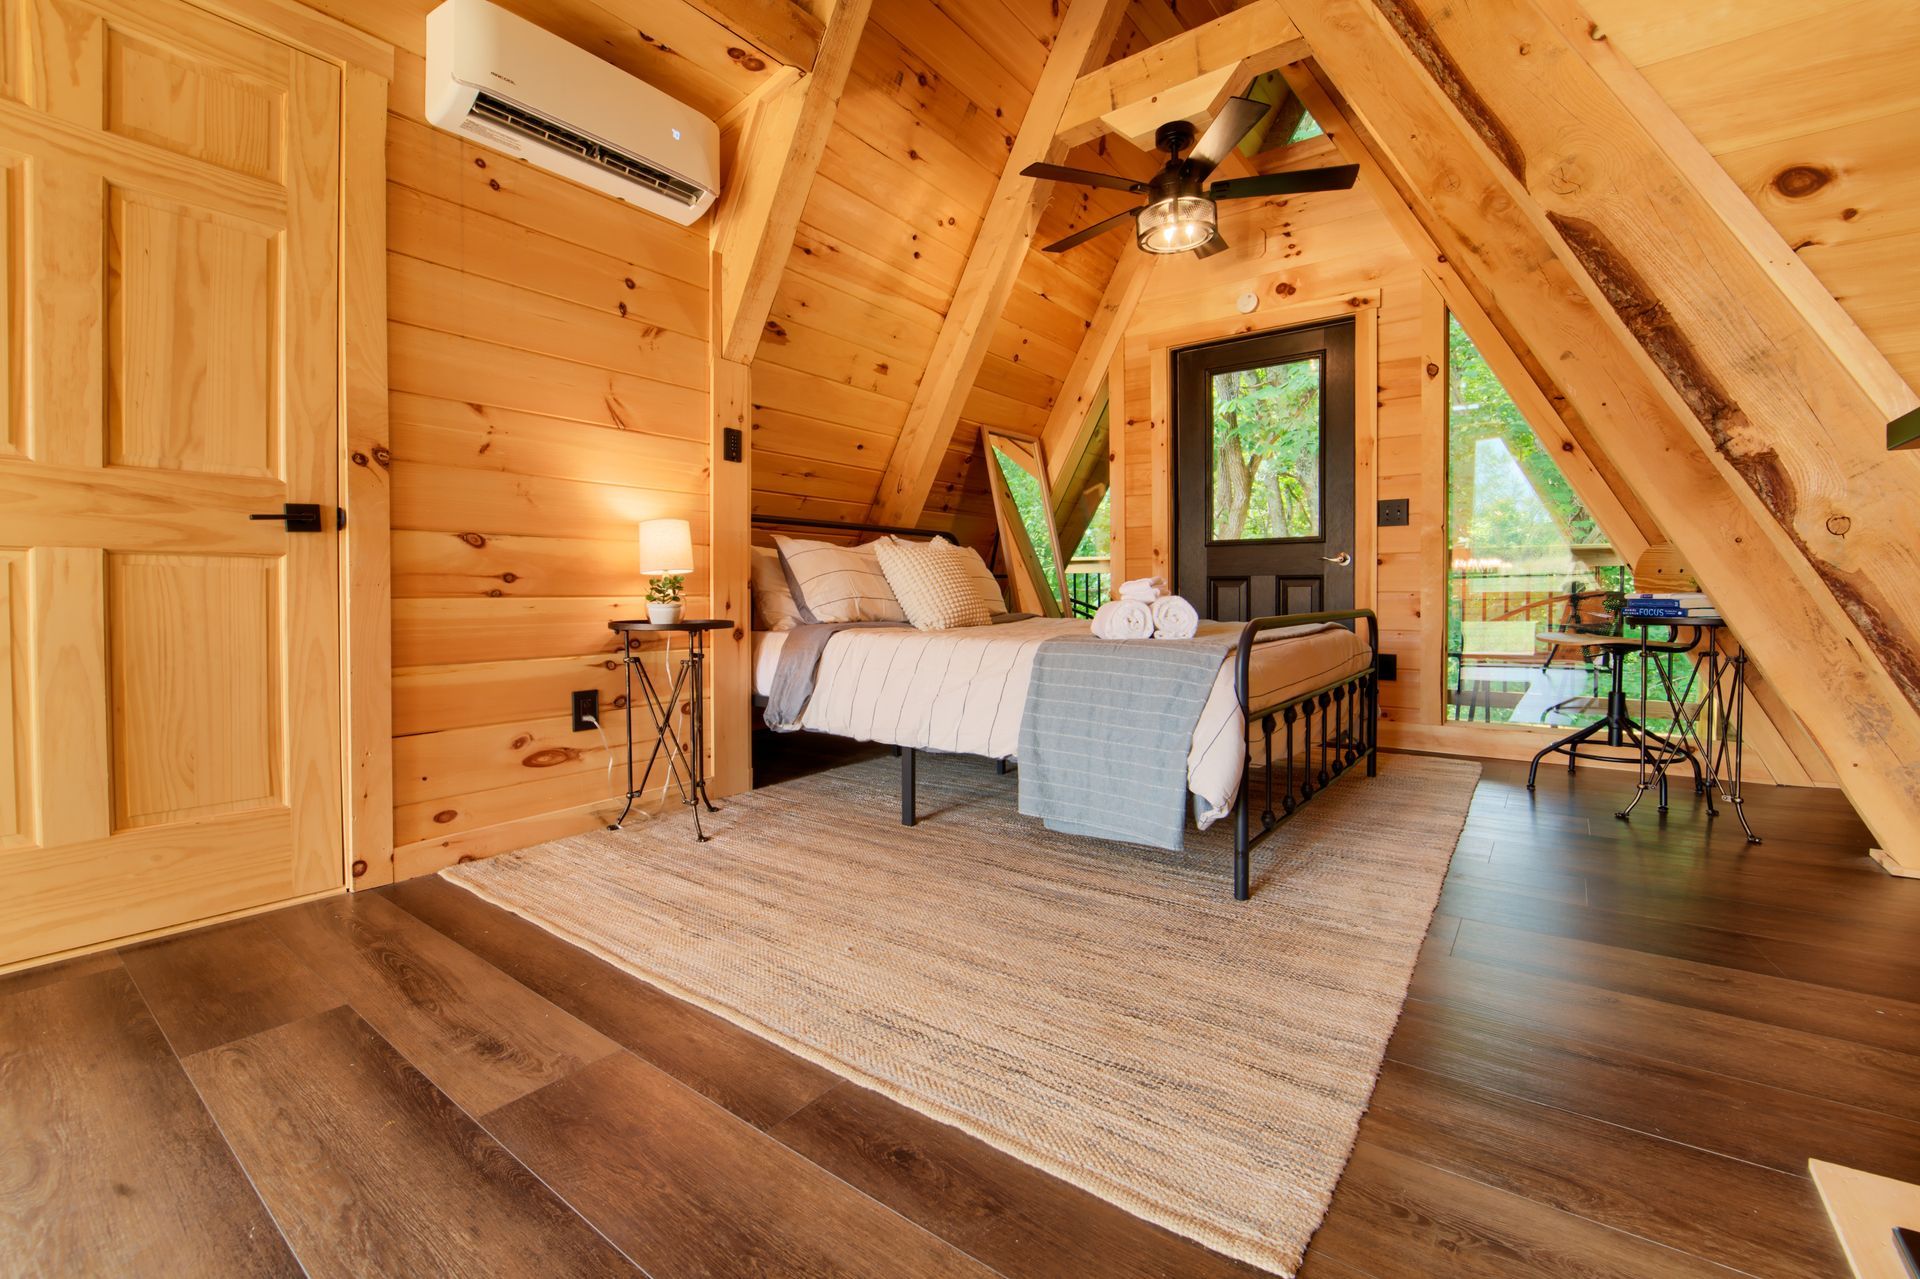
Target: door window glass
1265,478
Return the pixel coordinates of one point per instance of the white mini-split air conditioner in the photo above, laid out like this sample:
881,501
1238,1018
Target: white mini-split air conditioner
512,86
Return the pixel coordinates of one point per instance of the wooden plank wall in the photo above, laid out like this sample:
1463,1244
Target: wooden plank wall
1813,108
548,368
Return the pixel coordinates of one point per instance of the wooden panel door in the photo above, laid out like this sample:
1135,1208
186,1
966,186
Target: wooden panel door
171,367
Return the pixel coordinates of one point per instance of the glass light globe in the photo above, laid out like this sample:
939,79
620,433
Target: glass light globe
1176,225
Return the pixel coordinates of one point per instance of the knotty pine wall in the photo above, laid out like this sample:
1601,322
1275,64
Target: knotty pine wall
548,363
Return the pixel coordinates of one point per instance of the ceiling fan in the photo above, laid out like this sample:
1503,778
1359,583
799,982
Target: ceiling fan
1179,215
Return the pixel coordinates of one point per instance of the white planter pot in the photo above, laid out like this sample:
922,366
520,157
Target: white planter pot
664,614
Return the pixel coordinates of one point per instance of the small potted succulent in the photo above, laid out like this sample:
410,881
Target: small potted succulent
663,599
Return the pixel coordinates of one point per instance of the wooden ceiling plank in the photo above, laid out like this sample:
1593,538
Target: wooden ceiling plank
1717,188
1193,66
1721,403
998,252
1086,378
777,154
780,27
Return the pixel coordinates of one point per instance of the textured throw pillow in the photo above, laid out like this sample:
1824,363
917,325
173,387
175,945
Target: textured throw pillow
838,583
774,608
985,584
933,584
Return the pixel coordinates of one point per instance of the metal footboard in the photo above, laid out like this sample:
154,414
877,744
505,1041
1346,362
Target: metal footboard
1348,715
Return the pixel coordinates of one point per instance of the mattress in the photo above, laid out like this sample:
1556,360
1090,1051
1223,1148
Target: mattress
766,659
964,690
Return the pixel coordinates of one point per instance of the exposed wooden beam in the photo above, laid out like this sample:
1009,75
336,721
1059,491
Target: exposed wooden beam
1747,421
730,515
1088,372
999,247
1774,733
1180,77
1554,419
778,149
779,27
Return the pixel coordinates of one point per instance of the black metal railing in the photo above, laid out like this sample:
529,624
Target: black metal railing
1088,584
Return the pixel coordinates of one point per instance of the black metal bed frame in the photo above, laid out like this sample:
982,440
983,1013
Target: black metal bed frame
1349,718
1348,713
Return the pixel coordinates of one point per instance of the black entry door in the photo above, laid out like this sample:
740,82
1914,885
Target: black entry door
1263,473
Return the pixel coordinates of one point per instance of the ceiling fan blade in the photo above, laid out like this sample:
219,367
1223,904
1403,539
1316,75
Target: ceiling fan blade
1087,233
1085,177
1236,117
1338,177
1218,244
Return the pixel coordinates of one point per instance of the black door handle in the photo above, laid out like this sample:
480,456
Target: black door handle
304,517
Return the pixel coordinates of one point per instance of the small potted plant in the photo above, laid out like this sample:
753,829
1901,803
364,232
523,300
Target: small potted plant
663,599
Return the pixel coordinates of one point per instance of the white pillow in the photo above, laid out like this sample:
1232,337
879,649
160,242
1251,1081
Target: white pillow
985,584
774,608
838,583
933,583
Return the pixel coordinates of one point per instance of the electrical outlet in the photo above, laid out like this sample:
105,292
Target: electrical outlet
1393,513
586,709
1389,666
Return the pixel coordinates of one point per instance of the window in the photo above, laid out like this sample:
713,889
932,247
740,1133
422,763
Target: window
1526,558
1265,481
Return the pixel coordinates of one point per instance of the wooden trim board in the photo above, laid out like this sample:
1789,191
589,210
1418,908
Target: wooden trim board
1864,1208
366,597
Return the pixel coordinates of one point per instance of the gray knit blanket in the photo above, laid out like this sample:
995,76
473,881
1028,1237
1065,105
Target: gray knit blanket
1107,728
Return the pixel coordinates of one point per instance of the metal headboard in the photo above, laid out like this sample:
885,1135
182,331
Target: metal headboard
846,526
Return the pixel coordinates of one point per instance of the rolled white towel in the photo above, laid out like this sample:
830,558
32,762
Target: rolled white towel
1144,589
1174,618
1123,620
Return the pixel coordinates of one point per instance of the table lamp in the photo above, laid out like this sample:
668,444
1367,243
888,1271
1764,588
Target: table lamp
666,555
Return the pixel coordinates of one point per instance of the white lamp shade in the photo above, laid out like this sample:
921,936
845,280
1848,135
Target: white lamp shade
666,546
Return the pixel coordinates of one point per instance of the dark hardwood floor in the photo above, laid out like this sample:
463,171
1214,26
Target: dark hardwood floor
1621,1047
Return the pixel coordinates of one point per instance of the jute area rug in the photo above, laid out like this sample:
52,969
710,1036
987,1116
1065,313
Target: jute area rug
1105,1012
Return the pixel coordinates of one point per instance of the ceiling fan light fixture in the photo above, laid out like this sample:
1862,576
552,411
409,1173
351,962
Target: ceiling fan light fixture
1177,224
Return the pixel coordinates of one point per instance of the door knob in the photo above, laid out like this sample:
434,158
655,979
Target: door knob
1343,559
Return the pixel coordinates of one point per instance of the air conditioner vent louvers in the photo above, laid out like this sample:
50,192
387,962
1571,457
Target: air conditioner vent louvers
524,122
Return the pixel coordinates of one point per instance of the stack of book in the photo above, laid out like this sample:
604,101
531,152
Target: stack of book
1674,607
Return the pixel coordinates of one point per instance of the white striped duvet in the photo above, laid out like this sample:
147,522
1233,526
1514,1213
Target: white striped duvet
963,691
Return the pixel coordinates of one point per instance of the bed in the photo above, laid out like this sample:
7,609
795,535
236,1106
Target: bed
1293,707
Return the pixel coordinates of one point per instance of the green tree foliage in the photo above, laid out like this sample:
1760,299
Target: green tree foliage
1521,523
1266,451
1097,542
1516,531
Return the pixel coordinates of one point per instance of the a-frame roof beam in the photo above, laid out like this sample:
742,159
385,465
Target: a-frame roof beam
999,247
1741,418
1180,77
779,27
782,138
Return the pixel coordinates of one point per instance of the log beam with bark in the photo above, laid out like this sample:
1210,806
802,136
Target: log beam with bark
1748,418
